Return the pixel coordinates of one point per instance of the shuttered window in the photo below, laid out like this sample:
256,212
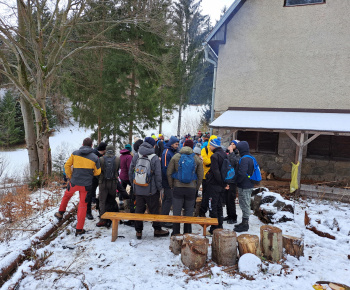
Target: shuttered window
302,2
264,142
329,147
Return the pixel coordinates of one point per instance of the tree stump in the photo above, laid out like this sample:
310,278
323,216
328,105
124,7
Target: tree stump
293,246
224,247
176,243
248,244
198,206
271,242
194,251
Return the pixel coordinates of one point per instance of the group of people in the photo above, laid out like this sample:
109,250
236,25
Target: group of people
168,170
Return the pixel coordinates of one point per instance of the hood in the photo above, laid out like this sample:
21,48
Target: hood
85,150
211,138
186,150
243,148
124,151
146,149
137,145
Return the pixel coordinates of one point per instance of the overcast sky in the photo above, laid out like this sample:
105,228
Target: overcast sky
214,7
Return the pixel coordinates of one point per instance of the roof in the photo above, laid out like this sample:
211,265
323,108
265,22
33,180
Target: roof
218,35
279,120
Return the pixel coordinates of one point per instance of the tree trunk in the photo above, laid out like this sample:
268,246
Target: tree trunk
224,247
132,100
293,246
194,251
176,243
271,242
179,121
248,244
30,136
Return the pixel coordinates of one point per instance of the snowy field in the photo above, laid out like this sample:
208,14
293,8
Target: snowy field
143,264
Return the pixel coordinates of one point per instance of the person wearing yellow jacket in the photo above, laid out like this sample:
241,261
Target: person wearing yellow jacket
206,153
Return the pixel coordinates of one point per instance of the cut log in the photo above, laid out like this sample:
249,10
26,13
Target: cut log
194,251
224,247
176,243
271,242
293,246
248,244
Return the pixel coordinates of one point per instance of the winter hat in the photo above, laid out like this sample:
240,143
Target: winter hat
160,135
188,143
151,141
197,149
173,140
128,147
137,145
154,137
216,142
235,142
102,146
110,148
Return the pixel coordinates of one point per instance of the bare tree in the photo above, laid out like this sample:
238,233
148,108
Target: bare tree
34,41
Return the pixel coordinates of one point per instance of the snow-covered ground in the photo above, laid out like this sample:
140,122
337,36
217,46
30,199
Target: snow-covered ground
129,263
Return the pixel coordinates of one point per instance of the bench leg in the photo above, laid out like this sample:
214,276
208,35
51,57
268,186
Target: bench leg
115,224
204,230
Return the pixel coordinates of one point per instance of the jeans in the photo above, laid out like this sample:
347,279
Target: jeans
167,201
244,196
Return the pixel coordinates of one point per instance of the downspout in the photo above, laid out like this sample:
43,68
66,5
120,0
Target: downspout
208,50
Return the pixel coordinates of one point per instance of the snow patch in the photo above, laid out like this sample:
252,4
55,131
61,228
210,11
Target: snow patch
249,264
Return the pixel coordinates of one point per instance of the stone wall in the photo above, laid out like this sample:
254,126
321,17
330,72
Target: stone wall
280,164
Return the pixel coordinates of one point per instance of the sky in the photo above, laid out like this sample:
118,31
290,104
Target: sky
214,7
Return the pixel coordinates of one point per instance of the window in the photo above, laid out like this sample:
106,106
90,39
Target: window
302,2
264,142
329,147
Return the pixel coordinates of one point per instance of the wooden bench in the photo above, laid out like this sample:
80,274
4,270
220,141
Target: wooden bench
117,216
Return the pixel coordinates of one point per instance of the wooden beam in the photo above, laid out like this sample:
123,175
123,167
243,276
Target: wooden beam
311,139
290,135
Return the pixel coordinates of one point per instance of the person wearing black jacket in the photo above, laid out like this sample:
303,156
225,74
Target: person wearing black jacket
215,184
231,193
244,184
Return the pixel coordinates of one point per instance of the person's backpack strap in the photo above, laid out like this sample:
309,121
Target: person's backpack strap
206,150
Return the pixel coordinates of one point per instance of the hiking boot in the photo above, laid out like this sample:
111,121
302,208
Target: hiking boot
89,216
129,223
242,227
226,218
167,225
101,223
59,215
139,235
231,221
79,232
108,224
161,233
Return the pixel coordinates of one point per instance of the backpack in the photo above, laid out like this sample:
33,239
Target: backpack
142,170
187,169
227,171
256,175
109,172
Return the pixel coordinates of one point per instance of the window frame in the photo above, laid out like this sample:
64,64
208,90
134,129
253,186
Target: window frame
257,140
330,156
305,4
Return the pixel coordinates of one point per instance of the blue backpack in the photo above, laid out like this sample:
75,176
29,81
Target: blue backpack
187,169
256,175
227,171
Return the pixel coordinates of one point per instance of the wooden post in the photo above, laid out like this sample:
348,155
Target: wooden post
176,243
224,247
293,246
300,157
198,206
194,251
115,224
248,244
271,242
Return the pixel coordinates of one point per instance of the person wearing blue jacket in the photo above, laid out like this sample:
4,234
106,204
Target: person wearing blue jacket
244,184
170,149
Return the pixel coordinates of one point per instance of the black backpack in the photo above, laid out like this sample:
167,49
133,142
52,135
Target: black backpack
109,170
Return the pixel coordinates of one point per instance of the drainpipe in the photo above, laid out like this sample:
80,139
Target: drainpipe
207,50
